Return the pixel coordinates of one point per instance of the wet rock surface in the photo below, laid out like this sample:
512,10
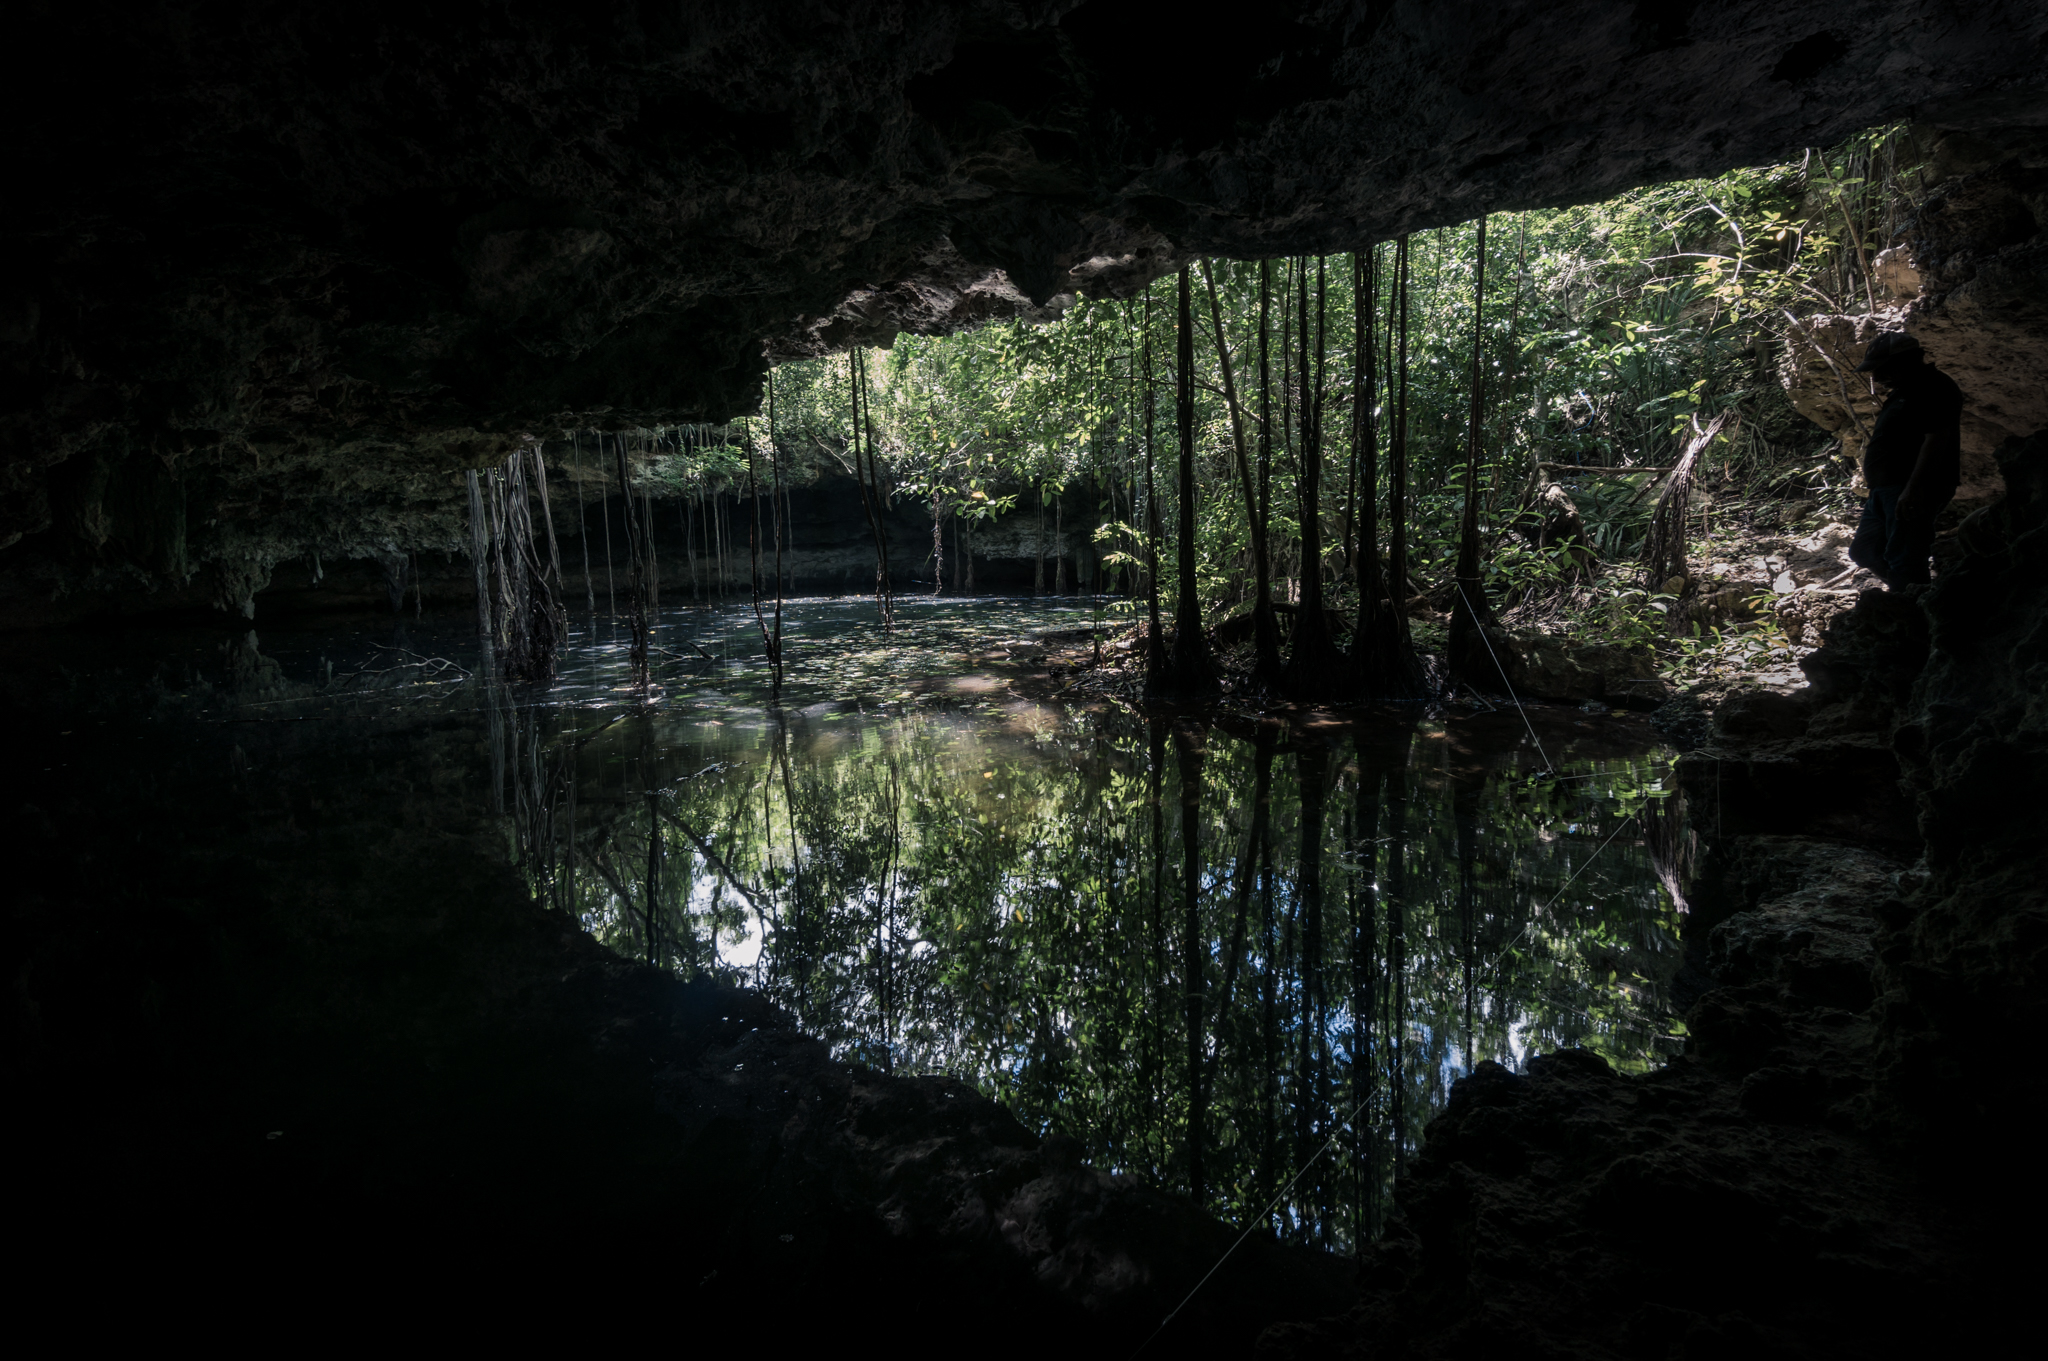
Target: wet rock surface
1979,246
1543,666
1730,1203
1835,1167
1966,277
1962,958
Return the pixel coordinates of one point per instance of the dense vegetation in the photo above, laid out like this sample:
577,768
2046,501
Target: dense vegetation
1332,403
1099,925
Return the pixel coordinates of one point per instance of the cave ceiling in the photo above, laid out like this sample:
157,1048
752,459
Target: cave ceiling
388,226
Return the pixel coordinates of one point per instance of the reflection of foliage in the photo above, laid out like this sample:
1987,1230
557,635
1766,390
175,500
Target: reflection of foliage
998,896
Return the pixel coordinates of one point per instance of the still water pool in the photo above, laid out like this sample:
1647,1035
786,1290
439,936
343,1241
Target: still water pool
1241,958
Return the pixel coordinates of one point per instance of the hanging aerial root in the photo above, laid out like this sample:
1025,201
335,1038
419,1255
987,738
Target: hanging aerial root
519,618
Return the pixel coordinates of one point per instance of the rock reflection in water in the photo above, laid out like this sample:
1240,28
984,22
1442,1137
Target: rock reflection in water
1212,954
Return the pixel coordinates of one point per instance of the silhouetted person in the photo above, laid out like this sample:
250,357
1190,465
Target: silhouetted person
1913,464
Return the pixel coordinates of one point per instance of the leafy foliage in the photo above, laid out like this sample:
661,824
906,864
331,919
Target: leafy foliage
1609,330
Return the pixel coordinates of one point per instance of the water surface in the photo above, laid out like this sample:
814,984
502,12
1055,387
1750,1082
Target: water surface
1244,959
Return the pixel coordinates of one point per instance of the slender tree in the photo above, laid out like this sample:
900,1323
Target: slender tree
1471,614
1314,665
771,639
636,587
1155,638
860,471
780,508
885,584
1265,628
1269,649
1404,671
1194,670
1383,659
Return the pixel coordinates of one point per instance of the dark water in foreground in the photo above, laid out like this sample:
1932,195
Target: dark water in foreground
1215,955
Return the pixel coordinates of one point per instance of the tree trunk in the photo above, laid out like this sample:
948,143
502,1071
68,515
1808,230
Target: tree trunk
1265,627
856,392
885,585
1155,638
1404,672
1059,553
1269,649
1314,666
778,505
1038,562
1194,670
636,589
771,639
1471,613
1382,656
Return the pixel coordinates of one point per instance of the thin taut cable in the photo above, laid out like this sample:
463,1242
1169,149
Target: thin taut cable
1328,1144
1561,889
1505,681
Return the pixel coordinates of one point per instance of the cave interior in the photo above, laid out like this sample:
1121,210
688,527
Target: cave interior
277,278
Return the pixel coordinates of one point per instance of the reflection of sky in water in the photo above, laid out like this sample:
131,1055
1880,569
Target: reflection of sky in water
935,875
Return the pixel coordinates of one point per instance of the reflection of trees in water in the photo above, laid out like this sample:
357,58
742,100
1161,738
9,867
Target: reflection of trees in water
1205,961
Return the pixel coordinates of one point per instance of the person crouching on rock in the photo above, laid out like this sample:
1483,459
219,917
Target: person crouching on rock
1913,464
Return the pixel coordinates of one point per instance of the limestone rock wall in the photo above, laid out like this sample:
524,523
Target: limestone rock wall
1980,246
1968,279
1817,369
